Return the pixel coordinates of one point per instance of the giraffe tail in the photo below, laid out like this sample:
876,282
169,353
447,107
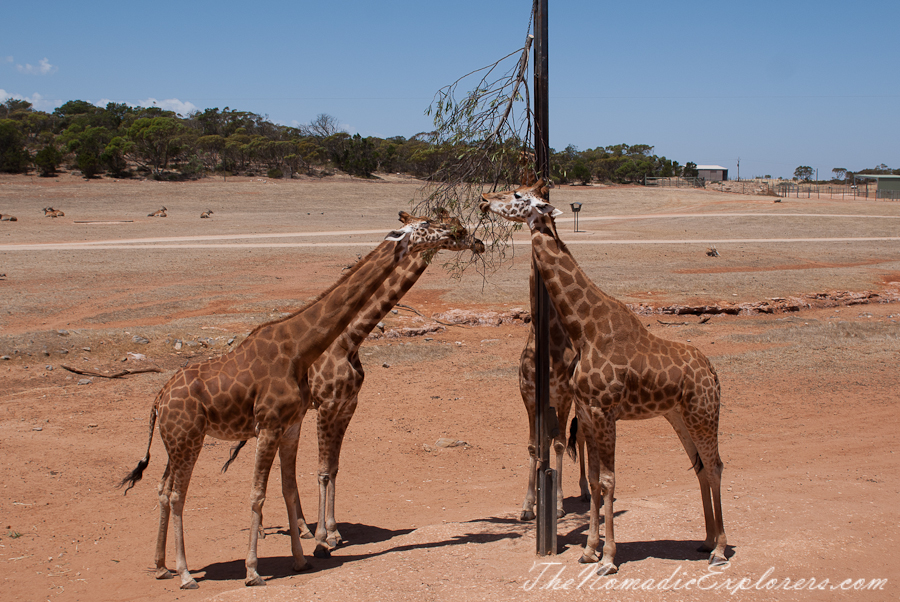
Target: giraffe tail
572,445
234,454
135,475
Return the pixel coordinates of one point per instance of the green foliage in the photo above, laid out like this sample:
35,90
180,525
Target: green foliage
804,172
274,173
156,142
47,160
14,157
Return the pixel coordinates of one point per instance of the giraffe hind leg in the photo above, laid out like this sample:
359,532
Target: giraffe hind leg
709,476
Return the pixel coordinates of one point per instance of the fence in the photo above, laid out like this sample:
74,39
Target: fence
674,182
832,191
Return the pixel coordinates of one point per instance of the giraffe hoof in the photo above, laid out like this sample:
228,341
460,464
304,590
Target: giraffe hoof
321,552
333,542
304,567
190,585
588,559
164,573
560,513
717,559
607,569
254,581
527,515
306,534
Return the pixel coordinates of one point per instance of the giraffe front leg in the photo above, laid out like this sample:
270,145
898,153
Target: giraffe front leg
322,548
530,495
287,453
608,486
560,448
589,555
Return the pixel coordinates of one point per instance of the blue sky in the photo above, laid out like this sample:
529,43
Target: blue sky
776,84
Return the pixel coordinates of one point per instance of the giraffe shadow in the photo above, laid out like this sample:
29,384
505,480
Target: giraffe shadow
666,549
278,567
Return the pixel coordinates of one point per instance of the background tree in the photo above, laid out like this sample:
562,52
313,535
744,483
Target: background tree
14,158
47,160
804,172
839,173
156,141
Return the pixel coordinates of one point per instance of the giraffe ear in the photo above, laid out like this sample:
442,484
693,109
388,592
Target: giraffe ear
404,217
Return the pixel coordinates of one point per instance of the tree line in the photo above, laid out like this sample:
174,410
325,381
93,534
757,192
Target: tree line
122,141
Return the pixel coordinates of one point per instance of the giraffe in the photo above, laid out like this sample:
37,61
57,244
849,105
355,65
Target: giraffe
562,356
261,389
160,213
51,212
5,217
337,376
206,214
624,372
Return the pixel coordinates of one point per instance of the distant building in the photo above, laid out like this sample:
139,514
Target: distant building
886,187
712,173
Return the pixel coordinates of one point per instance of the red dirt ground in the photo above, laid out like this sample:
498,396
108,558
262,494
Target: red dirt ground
808,429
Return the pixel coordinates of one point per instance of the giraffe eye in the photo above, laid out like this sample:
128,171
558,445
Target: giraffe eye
517,195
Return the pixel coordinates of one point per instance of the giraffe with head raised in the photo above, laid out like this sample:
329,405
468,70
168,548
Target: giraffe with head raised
51,212
261,389
624,372
336,378
562,357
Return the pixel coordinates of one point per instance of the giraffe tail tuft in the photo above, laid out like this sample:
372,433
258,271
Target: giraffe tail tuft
234,454
135,475
572,446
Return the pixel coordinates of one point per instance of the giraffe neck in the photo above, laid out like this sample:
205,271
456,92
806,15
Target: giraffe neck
385,298
312,329
580,304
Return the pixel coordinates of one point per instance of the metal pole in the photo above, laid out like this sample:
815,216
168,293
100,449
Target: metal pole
546,477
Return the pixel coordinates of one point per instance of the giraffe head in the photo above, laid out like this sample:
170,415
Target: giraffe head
524,204
421,234
463,241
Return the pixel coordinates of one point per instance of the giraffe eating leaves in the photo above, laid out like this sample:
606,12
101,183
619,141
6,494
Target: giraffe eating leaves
624,372
261,389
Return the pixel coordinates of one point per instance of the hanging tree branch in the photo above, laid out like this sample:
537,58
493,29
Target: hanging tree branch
480,141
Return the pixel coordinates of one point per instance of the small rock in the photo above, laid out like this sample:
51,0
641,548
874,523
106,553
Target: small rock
85,381
63,351
92,426
5,358
85,348
48,367
140,340
231,340
178,345
137,356
45,353
37,428
385,365
62,333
